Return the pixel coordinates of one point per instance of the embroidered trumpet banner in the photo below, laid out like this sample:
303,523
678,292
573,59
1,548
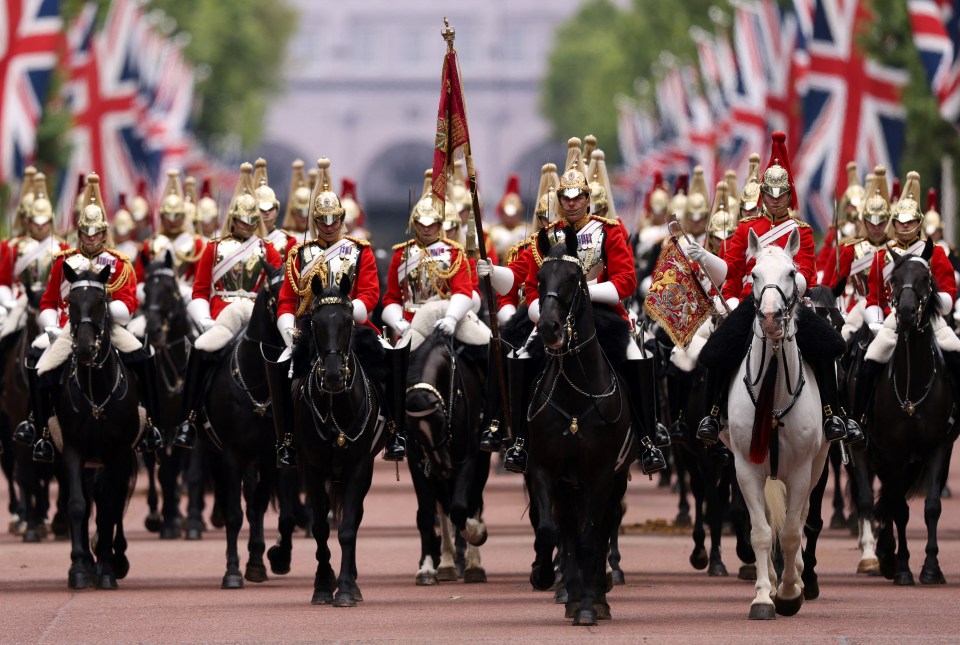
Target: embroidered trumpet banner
675,299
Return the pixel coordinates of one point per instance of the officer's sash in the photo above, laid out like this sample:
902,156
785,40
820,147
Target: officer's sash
864,262
915,249
777,232
223,267
33,255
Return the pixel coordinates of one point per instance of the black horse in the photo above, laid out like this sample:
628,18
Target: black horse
240,428
580,439
338,423
444,406
96,408
913,431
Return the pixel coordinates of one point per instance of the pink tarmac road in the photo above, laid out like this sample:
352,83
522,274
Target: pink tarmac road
173,595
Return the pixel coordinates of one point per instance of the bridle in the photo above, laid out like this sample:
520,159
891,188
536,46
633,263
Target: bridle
99,326
569,328
906,404
345,355
922,301
789,304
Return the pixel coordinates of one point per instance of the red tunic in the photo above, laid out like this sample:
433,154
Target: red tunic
617,263
202,283
738,283
520,266
366,282
940,267
122,285
460,282
8,260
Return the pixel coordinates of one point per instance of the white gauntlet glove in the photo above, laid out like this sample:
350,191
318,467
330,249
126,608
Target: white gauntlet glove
287,325
457,308
505,314
500,277
711,264
199,311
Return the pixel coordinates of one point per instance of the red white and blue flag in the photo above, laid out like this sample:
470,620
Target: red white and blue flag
936,33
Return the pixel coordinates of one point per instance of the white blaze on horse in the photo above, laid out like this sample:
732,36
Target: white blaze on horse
775,429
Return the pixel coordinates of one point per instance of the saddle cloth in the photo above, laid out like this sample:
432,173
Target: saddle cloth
883,344
230,322
56,354
470,331
16,319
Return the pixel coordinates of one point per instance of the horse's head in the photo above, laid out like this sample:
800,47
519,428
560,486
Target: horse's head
911,288
774,284
89,312
427,403
331,323
563,289
163,305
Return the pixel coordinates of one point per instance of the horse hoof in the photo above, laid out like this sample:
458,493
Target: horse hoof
344,599
217,519
153,522
170,533
255,572
232,581
279,560
788,607
570,609
747,572
717,570
932,577
560,597
322,598
121,566
19,528
603,611
811,589
194,534
541,578
903,579
762,612
32,536
699,559
106,581
682,519
474,575
12,526
869,566
447,574
78,580
585,618
618,577
427,579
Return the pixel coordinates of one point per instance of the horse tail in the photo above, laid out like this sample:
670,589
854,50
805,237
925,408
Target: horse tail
775,494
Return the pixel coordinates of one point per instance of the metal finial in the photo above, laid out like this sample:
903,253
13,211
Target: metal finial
448,33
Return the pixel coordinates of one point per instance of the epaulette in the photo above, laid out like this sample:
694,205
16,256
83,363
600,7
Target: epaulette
853,241
455,245
397,247
514,251
357,240
64,252
750,218
801,223
606,220
117,254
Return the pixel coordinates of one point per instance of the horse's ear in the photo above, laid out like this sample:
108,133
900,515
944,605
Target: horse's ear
793,242
570,238
345,286
103,275
543,244
316,285
839,287
69,273
168,259
927,250
144,258
753,244
891,251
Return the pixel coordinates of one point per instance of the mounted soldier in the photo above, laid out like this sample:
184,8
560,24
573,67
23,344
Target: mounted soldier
124,229
228,276
355,219
296,217
509,230
208,213
269,207
847,224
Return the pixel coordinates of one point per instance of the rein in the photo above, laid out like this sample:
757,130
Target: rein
259,407
920,326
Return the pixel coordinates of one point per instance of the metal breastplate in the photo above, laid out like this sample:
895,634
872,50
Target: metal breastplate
36,272
245,273
342,263
79,262
181,248
278,238
589,250
423,283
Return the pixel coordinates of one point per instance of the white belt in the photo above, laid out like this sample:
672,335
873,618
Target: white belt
240,293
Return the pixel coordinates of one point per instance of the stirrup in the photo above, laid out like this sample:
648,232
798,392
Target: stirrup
652,459
396,448
722,455
25,433
286,455
515,457
43,452
661,437
187,435
152,439
709,430
834,429
854,433
679,432
490,439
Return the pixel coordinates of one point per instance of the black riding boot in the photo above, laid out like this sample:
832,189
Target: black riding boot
199,366
709,429
640,375
144,365
866,381
835,427
491,438
398,360
41,396
521,373
281,405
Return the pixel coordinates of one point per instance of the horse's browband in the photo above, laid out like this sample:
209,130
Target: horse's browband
170,273
917,258
93,284
565,258
335,300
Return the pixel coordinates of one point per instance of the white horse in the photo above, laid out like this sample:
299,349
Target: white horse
775,429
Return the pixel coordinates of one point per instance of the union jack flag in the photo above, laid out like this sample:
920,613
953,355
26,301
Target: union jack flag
850,100
936,33
30,39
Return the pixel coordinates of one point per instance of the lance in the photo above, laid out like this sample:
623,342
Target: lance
475,235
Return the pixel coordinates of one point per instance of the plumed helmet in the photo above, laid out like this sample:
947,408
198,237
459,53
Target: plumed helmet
876,207
325,206
510,204
139,206
548,206
722,223
457,188
573,181
207,208
243,204
266,197
678,203
750,195
93,215
697,207
26,193
855,193
658,199
122,219
40,211
298,198
171,205
425,211
776,178
348,198
932,222
908,206
601,192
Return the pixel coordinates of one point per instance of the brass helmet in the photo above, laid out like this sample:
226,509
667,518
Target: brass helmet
586,158
678,203
325,206
425,211
266,197
93,215
932,221
601,192
776,178
298,199
243,205
855,193
451,220
510,204
348,198
123,223
207,208
697,207
26,195
908,206
658,198
548,206
876,207
40,211
750,195
171,205
723,223
573,182
139,206
190,199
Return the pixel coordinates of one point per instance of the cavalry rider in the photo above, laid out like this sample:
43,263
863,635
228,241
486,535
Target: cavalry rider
858,254
773,225
847,225
92,254
208,212
19,226
269,207
355,219
297,214
175,236
228,276
608,267
722,224
750,195
906,240
509,231
696,216
330,254
124,230
426,268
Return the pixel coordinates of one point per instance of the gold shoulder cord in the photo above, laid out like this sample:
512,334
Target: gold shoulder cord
295,280
190,259
122,277
436,275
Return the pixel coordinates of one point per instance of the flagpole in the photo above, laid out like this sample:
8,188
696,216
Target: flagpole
449,34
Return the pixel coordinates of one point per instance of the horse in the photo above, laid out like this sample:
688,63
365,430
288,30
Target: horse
580,443
99,423
338,426
240,429
167,331
444,406
776,469
913,432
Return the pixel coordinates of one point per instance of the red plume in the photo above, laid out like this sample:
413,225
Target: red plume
513,186
122,202
895,190
142,188
205,189
779,156
682,183
349,188
932,200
